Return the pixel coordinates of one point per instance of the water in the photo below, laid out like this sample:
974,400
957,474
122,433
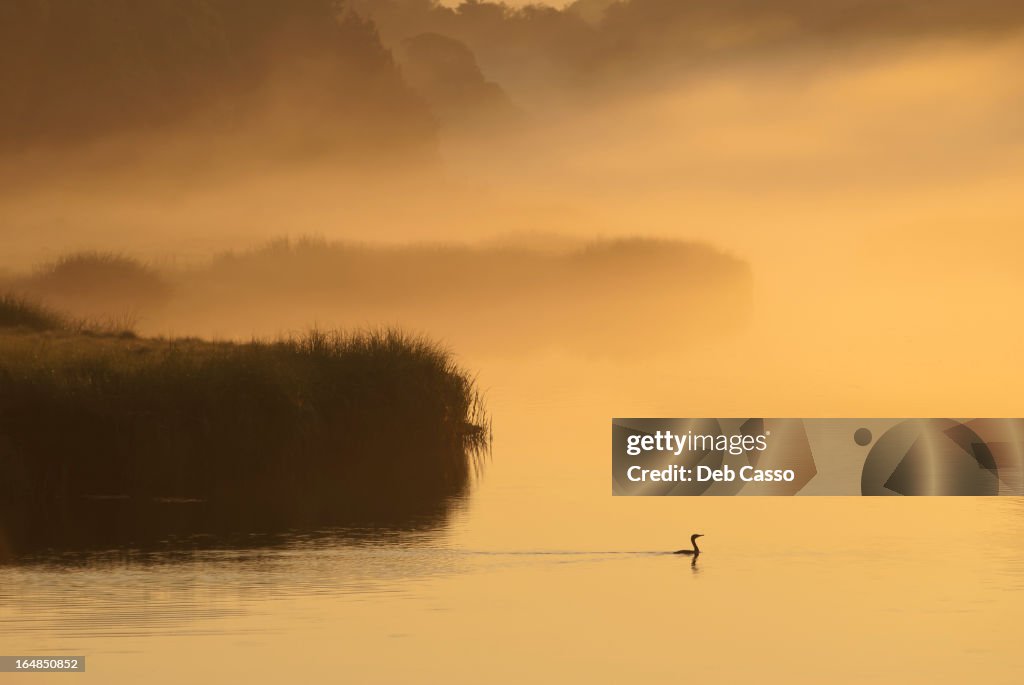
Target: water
542,576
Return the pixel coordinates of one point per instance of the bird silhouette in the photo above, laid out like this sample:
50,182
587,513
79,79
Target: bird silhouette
693,541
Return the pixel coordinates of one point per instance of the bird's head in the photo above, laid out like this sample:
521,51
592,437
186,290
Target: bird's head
696,535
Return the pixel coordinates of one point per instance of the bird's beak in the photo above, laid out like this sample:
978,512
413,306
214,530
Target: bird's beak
700,535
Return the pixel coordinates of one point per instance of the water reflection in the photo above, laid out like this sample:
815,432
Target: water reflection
134,531
176,589
184,592
388,604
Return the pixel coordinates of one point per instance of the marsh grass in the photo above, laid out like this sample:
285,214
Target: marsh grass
97,286
19,312
593,297
317,428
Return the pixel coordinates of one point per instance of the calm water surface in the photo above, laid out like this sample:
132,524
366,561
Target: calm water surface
542,576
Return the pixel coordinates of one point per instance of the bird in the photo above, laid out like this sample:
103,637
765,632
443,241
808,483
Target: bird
693,541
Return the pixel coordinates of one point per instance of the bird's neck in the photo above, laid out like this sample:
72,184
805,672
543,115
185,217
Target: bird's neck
696,549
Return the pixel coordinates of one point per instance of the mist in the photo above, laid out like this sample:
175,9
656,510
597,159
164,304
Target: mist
865,172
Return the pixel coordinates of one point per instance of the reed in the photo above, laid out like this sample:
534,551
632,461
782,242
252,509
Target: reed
96,285
320,427
19,312
592,297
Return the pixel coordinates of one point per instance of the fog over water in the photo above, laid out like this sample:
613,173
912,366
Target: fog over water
808,209
871,195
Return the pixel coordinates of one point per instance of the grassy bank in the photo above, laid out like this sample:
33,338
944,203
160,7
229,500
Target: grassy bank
322,427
